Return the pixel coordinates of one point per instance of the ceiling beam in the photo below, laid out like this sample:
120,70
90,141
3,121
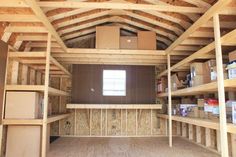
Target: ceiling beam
202,20
109,5
39,13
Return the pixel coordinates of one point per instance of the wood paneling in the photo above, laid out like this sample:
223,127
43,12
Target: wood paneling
140,85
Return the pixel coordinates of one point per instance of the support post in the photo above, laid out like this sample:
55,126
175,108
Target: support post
221,90
169,101
45,107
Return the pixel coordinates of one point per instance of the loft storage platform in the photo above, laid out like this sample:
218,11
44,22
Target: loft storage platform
38,88
113,56
50,119
37,61
231,128
114,106
230,85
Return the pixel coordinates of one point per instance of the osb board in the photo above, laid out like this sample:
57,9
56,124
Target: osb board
54,128
194,133
156,124
213,139
95,122
229,144
114,122
123,125
82,122
174,128
144,122
104,123
67,125
63,103
203,136
9,71
54,103
163,126
55,82
131,122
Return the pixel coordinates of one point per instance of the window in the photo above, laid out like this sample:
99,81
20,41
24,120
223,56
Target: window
114,82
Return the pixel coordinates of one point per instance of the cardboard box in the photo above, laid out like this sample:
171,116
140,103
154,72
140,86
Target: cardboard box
201,114
129,42
214,73
200,102
198,80
234,112
23,105
146,40
231,70
176,83
188,100
108,37
194,112
231,110
207,70
24,141
232,56
196,68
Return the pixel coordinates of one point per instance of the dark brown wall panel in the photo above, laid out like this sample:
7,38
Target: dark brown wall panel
140,84
3,61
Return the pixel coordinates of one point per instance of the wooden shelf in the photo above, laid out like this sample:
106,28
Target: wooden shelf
55,118
37,61
231,128
36,88
113,106
22,122
35,121
230,85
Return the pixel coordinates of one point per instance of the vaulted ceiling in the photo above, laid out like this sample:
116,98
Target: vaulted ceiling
25,23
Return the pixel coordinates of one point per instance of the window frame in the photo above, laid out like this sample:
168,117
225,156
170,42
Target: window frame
103,82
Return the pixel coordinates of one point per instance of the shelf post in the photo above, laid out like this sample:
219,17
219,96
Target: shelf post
169,101
221,90
45,104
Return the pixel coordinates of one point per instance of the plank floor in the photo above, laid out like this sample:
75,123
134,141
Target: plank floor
126,147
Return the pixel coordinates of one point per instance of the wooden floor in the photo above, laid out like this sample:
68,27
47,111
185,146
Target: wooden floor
125,147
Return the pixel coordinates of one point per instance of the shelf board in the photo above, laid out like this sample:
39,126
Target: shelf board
230,85
37,61
36,88
50,119
231,128
55,118
22,122
114,106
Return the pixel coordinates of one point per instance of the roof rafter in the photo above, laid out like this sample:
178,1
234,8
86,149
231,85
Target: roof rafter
128,6
202,20
39,13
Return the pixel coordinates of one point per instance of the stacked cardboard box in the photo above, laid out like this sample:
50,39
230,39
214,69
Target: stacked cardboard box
214,73
146,40
24,105
107,37
176,83
199,74
128,42
25,141
232,56
231,111
232,65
